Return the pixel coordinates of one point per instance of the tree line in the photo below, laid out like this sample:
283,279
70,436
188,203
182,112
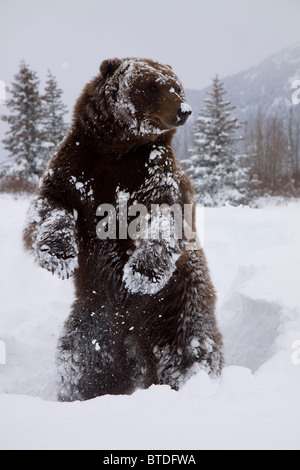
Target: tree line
36,124
232,162
273,145
228,162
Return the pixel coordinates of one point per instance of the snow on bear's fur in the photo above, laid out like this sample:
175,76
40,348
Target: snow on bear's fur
144,307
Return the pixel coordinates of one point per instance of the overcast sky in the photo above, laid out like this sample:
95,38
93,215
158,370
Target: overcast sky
199,38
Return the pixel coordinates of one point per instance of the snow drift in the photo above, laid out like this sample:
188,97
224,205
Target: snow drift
254,256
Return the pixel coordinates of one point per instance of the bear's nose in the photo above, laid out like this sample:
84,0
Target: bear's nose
183,113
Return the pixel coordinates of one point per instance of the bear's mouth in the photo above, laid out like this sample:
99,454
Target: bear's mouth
172,125
172,122
165,124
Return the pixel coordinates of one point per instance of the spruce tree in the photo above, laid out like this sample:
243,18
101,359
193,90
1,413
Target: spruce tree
24,139
218,173
54,111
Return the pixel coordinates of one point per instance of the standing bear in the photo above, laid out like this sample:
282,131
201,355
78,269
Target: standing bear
144,307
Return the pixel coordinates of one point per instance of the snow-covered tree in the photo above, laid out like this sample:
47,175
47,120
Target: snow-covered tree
218,172
54,109
24,139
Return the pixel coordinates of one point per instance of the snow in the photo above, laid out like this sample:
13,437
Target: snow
254,256
185,108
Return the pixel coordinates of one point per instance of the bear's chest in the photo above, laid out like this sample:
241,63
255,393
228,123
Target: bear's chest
145,176
113,194
150,177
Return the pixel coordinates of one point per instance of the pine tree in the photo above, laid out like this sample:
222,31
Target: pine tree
24,139
218,173
54,112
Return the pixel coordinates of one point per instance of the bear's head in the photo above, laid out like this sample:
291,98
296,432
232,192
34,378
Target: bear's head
143,96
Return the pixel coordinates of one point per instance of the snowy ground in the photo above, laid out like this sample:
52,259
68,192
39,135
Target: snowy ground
254,255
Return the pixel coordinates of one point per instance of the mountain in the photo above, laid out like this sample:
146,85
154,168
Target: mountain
267,86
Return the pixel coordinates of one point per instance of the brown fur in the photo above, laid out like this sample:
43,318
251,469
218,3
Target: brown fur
114,340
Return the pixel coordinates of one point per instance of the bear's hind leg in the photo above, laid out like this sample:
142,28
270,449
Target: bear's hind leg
94,359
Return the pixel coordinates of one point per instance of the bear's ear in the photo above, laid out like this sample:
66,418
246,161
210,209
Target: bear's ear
108,67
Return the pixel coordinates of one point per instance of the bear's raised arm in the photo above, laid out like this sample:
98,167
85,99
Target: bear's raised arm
167,232
50,235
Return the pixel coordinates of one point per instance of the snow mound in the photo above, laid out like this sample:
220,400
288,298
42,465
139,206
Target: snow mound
263,306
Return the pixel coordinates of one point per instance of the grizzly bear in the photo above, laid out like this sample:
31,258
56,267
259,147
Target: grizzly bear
144,307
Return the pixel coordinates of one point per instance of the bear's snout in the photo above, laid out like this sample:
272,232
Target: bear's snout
183,113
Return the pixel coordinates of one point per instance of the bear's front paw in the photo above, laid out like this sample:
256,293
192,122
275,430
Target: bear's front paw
55,244
58,256
61,264
145,273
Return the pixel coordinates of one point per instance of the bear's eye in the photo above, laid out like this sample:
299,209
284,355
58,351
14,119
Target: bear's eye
178,90
153,87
